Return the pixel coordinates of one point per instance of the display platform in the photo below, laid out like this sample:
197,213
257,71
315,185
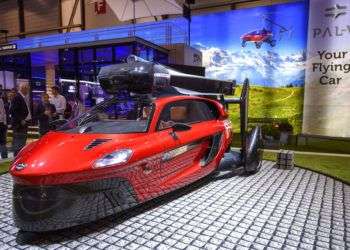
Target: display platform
274,208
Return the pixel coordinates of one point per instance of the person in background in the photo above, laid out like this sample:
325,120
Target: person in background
5,99
3,127
20,117
10,96
59,101
68,111
46,112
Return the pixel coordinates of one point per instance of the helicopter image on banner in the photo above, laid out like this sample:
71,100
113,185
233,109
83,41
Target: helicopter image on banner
264,35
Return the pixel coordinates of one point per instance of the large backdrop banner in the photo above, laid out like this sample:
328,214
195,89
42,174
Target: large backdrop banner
267,45
327,89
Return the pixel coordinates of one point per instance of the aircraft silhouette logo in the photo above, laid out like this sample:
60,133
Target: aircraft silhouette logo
336,11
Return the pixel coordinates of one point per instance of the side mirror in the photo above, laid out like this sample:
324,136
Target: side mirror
181,127
224,116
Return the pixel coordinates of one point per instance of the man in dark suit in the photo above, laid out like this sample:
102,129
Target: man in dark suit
45,113
20,117
3,125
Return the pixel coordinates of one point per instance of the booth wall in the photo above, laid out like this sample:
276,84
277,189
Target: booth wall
275,68
327,89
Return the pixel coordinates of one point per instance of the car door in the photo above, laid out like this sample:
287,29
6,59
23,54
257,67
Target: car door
185,160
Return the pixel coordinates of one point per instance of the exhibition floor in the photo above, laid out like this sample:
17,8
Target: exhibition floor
275,208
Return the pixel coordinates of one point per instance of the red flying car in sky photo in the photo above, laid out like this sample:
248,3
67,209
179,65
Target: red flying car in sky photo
160,130
259,37
264,35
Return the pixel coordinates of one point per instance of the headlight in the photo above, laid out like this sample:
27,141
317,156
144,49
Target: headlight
115,158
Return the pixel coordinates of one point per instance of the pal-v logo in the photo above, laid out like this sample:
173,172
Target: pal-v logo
335,28
336,11
20,166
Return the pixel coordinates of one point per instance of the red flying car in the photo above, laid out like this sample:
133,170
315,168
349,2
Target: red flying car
259,37
160,136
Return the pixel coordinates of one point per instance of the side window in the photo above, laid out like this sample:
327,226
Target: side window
187,111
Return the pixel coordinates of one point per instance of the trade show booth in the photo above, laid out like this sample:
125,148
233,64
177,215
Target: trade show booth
175,124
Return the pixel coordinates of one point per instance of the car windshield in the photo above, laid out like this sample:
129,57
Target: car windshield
114,116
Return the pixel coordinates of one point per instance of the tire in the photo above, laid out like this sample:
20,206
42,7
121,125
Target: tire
252,172
258,45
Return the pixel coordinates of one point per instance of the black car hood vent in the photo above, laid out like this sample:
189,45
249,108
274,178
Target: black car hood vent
95,143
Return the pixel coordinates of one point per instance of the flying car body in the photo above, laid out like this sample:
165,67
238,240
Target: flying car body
265,35
258,37
111,158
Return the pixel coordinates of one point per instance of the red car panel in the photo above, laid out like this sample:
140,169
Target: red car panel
160,162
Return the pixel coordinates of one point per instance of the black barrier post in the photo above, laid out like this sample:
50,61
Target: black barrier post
244,99
243,106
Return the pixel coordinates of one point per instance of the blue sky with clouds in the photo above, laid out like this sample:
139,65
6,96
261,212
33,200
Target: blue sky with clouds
217,35
224,29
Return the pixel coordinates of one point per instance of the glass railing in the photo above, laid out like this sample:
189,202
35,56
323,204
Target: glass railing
160,33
